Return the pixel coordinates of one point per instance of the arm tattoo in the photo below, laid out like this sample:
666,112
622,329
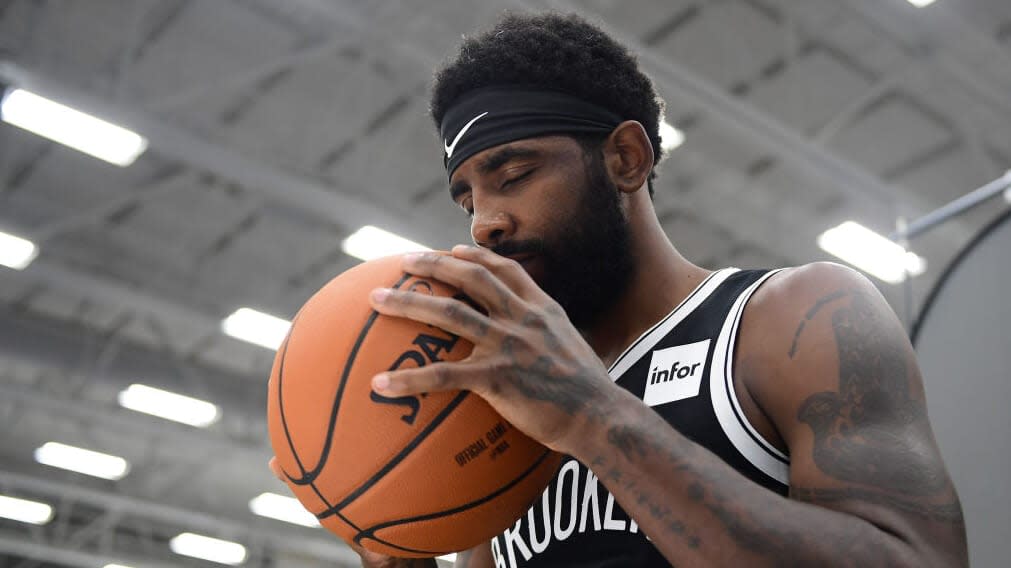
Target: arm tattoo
543,379
862,432
810,314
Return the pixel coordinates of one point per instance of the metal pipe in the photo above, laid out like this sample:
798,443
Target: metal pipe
953,208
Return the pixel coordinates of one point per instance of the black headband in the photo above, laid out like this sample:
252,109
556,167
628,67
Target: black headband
495,115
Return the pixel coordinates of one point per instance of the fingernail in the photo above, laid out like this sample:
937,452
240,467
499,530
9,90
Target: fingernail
462,248
381,382
380,294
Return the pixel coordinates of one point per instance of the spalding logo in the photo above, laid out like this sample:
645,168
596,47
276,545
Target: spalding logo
428,350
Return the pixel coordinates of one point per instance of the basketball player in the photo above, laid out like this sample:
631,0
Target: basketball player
713,418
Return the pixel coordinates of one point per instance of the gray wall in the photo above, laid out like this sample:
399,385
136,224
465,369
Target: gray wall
964,346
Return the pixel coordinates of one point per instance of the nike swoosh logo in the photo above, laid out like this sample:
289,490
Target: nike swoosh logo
466,127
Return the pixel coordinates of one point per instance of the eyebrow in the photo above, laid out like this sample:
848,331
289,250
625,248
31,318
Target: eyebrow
492,163
504,156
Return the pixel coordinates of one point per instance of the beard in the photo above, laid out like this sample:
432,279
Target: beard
588,262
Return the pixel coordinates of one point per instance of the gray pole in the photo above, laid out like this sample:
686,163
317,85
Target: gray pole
953,208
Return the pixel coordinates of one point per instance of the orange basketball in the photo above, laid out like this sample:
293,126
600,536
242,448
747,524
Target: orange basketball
411,476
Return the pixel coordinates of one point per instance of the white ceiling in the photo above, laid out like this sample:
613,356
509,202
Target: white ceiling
279,127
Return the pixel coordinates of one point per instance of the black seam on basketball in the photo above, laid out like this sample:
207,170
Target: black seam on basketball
310,476
280,400
284,421
370,532
404,452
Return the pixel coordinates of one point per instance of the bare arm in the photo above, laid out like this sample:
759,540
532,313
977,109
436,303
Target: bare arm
847,399
868,486
477,557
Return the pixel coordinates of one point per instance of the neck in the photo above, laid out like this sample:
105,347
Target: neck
662,278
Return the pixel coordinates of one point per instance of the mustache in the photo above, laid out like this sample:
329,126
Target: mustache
529,246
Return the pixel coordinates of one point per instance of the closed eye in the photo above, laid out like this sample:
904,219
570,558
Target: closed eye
467,207
519,178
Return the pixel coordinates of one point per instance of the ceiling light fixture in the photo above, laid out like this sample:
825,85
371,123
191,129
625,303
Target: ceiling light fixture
371,242
256,327
25,511
71,127
921,3
287,509
83,461
207,548
871,252
670,137
16,252
169,405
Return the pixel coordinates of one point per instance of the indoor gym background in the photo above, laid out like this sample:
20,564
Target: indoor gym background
277,129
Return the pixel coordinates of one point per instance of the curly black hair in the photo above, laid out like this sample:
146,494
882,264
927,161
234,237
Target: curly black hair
561,52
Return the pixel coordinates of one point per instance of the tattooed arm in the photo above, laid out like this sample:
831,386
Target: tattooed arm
841,394
824,368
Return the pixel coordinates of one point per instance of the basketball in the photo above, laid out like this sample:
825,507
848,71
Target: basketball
411,476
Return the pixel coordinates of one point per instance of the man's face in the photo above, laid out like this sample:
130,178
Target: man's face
553,208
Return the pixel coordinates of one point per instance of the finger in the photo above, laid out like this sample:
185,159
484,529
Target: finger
275,468
506,269
437,377
478,282
449,314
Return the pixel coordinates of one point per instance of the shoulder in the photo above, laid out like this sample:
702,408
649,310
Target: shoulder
797,295
794,289
789,330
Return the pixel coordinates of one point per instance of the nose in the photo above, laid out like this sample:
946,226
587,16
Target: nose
491,227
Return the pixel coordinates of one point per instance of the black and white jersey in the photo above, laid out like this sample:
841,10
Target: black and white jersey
681,367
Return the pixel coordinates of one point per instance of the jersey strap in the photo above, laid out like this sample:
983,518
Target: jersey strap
752,445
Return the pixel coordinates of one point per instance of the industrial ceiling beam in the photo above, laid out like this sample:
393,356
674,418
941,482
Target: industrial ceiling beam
760,129
17,545
113,293
309,195
281,538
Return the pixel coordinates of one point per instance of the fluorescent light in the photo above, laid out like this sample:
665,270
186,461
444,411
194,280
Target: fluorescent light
371,242
282,508
256,327
670,137
207,548
921,3
82,461
16,252
116,566
871,252
25,511
71,127
168,405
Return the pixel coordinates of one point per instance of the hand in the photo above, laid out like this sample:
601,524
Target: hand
528,361
376,560
369,559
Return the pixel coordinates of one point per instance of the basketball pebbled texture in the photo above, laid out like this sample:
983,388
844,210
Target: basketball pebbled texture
410,476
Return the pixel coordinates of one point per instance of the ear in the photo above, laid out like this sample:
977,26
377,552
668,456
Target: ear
628,156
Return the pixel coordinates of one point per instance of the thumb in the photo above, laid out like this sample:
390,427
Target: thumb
275,469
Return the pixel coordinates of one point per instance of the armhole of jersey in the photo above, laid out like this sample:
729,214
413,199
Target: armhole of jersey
748,441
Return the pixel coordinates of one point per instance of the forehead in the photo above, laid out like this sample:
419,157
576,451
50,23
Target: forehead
554,146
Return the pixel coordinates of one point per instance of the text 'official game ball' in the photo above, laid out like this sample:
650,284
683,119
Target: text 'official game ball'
412,476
